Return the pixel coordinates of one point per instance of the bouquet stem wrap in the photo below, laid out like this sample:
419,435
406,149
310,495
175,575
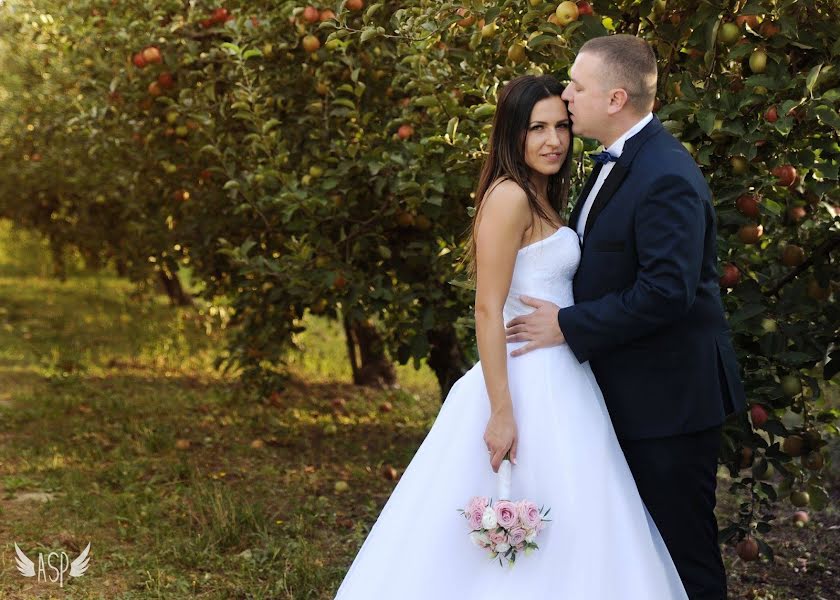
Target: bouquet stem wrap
503,481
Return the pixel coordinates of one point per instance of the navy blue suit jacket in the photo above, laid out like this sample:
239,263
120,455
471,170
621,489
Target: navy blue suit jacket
648,314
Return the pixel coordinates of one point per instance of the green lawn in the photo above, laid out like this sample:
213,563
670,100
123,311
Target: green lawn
184,483
115,430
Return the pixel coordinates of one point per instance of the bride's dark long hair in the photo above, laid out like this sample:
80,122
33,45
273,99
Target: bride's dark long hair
506,151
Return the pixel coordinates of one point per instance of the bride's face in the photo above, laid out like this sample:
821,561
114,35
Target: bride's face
548,136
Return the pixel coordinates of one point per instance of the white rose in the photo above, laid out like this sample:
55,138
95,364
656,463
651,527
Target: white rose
502,548
531,535
488,519
479,539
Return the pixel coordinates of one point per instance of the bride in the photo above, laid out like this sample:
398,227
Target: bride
544,408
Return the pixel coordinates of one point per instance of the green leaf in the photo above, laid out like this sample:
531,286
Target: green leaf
251,53
828,116
748,311
269,124
452,128
542,40
772,207
232,49
483,110
426,101
706,120
371,11
811,80
368,34
831,95
345,103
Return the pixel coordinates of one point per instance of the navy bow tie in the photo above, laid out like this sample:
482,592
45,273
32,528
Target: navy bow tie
604,157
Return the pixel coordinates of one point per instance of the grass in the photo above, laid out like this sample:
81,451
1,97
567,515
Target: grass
185,484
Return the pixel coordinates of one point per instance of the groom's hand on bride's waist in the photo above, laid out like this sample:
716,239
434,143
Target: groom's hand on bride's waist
539,328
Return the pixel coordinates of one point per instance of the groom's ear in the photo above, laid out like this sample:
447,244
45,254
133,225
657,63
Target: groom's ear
618,100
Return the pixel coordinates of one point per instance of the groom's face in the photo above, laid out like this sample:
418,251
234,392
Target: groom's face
587,95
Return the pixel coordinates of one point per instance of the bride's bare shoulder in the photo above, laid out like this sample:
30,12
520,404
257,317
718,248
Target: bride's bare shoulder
504,208
505,190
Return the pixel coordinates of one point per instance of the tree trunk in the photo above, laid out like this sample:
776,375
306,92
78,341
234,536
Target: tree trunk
446,358
371,367
172,286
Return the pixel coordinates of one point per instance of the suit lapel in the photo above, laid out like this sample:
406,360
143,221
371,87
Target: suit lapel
619,171
573,218
605,194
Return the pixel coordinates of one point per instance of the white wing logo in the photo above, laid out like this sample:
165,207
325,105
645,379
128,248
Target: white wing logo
24,565
80,565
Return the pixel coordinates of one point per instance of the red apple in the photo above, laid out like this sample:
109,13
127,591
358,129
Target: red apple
759,415
468,18
584,8
567,12
747,549
796,213
311,43
746,457
794,445
326,15
818,292
152,55
813,461
731,276
747,205
155,89
750,233
354,4
220,15
138,60
751,20
405,131
800,516
772,114
311,14
166,80
785,175
768,29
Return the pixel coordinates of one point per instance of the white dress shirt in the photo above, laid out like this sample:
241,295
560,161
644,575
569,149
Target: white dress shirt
615,149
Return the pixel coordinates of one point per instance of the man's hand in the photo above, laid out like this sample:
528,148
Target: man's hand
540,328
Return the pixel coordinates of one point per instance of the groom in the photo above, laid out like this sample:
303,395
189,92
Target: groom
648,315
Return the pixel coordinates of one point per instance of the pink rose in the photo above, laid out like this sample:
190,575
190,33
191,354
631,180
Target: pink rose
529,514
477,502
474,517
516,536
505,513
496,537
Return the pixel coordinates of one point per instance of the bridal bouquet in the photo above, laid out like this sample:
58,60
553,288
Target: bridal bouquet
504,528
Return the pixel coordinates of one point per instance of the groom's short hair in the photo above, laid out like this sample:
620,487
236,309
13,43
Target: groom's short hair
631,65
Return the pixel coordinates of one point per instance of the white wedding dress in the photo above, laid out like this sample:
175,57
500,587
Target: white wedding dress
601,543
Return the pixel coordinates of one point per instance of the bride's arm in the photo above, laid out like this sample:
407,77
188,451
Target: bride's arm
503,218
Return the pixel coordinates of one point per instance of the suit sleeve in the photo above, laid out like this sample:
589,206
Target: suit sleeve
669,229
